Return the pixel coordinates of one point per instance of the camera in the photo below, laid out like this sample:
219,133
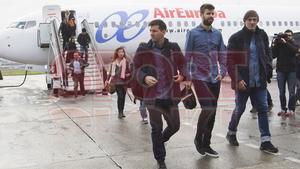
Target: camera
277,37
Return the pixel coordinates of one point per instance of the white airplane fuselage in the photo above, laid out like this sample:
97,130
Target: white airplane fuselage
126,25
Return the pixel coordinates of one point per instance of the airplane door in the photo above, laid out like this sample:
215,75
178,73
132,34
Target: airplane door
51,12
69,15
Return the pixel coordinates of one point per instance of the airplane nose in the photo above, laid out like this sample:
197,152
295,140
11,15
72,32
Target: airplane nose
4,43
1,44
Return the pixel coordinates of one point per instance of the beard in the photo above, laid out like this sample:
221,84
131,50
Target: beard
208,21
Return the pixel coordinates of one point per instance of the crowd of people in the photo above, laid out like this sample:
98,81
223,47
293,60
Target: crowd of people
159,66
76,60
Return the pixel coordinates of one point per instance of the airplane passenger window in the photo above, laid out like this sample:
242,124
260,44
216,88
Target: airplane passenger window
267,23
122,24
113,24
273,23
285,23
105,25
279,23
129,23
297,23
145,24
179,24
137,24
260,24
186,24
241,23
234,23
96,24
228,23
30,24
222,23
170,23
193,23
291,23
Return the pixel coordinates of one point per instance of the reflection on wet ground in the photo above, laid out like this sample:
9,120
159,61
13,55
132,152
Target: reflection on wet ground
38,130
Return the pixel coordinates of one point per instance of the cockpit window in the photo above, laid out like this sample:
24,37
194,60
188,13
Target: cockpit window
22,24
30,24
18,25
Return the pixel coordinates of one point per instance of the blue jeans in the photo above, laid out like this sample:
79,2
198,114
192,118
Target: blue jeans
84,51
290,79
258,96
143,110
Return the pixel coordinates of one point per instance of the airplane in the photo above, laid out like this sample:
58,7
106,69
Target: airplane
126,25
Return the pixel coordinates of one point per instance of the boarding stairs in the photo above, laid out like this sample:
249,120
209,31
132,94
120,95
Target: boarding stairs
93,75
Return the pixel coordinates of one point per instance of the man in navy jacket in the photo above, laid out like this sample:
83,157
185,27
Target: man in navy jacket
159,67
249,59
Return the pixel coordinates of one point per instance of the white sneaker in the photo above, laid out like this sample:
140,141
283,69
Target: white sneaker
289,113
254,115
281,113
145,121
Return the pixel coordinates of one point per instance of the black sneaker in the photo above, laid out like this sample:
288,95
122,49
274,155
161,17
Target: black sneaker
268,147
199,148
120,115
253,110
232,140
270,107
161,165
210,152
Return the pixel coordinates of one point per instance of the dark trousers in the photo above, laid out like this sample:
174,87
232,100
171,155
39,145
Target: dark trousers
65,40
78,78
158,135
84,51
298,89
270,102
121,93
208,94
288,78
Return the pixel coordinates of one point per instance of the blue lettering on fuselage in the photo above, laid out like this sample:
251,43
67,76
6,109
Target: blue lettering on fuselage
123,27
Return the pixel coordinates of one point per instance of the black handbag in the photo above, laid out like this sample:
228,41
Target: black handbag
188,98
111,88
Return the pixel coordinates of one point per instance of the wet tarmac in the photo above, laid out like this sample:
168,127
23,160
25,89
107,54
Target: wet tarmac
39,131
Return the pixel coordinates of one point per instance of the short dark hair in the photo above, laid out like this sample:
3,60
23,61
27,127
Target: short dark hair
206,6
160,23
250,13
83,30
288,31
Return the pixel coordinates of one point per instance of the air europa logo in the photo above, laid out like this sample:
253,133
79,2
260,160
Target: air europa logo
123,26
182,13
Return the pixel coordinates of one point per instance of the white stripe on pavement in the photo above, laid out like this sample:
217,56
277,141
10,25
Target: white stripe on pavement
293,159
252,146
220,135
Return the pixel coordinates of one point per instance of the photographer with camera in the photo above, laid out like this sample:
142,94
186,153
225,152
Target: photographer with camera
285,49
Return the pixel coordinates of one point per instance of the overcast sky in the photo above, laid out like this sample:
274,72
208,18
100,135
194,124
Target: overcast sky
13,9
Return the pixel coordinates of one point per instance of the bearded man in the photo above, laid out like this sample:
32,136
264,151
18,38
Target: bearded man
205,53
